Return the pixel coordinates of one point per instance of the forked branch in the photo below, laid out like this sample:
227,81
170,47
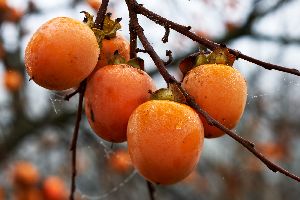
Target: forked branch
139,9
134,9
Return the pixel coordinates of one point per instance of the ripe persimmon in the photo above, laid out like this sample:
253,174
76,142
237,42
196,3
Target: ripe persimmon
95,4
54,189
112,93
220,90
12,80
110,46
25,174
165,139
14,15
30,193
61,53
3,5
120,161
2,193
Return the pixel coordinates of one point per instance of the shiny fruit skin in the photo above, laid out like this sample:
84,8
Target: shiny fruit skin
110,46
112,93
165,140
220,90
12,80
25,174
61,53
54,189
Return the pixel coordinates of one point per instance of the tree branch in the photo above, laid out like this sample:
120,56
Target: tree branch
205,42
134,7
101,14
81,91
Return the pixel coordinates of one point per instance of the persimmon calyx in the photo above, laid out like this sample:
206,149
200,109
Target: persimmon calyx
109,30
116,59
172,93
221,55
136,63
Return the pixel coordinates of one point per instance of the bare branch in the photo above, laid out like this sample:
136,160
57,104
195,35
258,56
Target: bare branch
205,42
166,36
134,7
73,145
101,14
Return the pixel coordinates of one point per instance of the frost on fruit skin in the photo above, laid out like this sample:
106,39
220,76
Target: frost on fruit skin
61,53
165,140
221,91
112,93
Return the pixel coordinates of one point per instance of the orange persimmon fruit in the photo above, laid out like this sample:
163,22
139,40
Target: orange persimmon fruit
111,95
2,193
3,5
95,4
110,46
12,80
221,91
61,53
120,161
25,174
54,189
165,140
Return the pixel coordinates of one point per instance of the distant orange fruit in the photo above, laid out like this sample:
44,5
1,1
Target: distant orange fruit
165,140
2,51
3,4
12,80
54,189
25,173
14,15
2,193
111,95
220,90
30,193
120,161
95,4
61,53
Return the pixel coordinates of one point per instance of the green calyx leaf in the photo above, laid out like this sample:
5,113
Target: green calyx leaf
110,27
136,63
201,59
221,56
172,93
163,94
116,59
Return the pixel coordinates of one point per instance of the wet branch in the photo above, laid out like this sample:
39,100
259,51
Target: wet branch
139,9
134,9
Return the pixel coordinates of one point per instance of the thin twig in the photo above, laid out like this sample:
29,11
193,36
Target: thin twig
205,42
170,59
170,79
138,50
73,145
151,190
165,39
69,96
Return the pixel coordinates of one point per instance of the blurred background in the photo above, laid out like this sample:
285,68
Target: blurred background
36,124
